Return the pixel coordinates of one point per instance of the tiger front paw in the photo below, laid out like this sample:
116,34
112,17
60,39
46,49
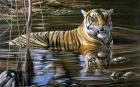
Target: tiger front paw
89,71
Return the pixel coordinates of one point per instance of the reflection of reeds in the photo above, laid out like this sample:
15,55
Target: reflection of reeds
23,68
28,71
28,68
12,64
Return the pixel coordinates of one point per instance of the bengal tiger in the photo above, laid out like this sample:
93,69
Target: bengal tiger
92,33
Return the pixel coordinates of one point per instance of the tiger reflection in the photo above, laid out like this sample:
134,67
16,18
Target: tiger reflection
73,66
68,66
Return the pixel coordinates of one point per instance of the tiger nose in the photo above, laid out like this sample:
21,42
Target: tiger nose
101,28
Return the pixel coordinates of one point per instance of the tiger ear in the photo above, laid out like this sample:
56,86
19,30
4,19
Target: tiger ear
83,12
110,11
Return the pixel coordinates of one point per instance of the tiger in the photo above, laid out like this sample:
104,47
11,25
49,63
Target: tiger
91,34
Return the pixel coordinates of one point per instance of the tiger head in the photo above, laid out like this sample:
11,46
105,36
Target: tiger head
97,23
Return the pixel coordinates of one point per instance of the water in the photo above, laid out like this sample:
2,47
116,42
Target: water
125,33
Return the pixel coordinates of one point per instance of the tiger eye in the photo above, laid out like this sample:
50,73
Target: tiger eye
105,18
92,19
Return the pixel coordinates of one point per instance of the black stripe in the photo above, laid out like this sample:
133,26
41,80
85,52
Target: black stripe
73,40
34,36
60,42
79,43
22,39
67,38
56,40
14,42
71,35
48,38
76,40
42,37
19,42
64,40
52,44
38,37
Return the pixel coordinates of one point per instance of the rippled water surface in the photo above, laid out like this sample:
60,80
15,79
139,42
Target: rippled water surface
126,34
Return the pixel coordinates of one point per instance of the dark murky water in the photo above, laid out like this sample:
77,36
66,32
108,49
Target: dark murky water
126,36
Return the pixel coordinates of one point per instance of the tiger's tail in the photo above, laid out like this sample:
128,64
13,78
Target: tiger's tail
38,39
